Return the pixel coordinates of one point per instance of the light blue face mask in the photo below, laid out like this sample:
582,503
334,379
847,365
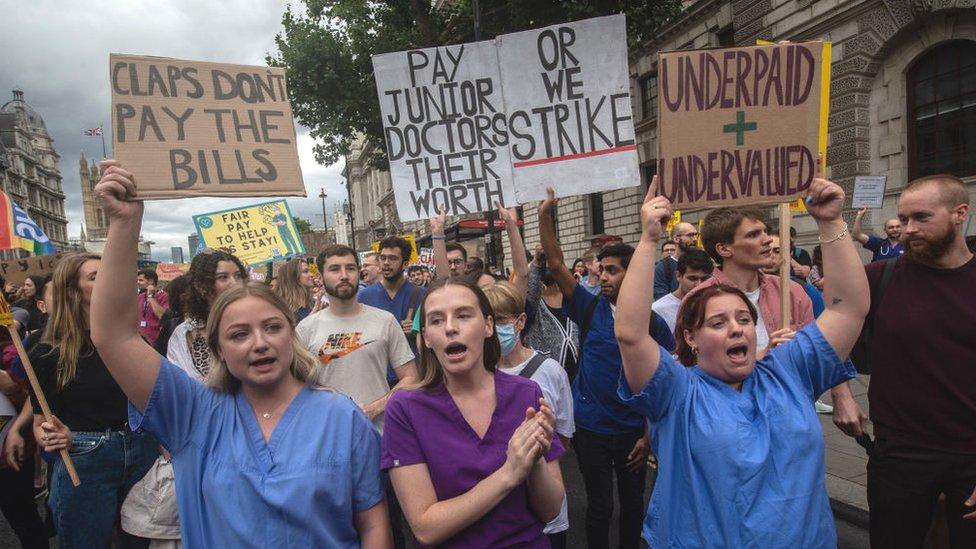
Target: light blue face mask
507,337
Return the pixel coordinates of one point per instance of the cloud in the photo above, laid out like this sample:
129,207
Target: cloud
57,53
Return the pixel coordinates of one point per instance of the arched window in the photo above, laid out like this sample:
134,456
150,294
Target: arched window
942,111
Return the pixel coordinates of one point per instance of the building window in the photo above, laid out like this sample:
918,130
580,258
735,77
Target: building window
726,37
942,111
596,214
648,93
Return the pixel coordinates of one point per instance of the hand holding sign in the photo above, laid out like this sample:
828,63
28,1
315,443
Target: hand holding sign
116,191
825,199
655,213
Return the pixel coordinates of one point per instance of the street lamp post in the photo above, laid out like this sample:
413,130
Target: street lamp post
325,220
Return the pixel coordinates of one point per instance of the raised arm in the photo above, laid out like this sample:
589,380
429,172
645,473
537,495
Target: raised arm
533,288
639,351
115,314
441,268
846,292
520,265
554,254
856,230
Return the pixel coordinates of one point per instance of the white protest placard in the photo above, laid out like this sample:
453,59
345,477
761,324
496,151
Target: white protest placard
444,125
869,191
567,95
471,124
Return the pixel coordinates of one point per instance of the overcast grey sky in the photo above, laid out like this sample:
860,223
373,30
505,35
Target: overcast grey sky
57,53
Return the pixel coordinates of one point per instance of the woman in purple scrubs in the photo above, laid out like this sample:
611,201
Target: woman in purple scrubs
471,451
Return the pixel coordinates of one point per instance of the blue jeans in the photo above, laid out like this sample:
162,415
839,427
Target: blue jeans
108,463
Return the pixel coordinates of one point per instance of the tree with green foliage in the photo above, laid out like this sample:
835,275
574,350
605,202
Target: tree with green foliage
304,226
327,51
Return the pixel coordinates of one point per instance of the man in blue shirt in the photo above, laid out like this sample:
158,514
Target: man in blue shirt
883,248
610,437
685,235
392,292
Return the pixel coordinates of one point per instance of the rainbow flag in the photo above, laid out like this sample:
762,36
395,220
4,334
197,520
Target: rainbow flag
18,230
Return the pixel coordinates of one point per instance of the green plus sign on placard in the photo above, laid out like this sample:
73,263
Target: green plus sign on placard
739,128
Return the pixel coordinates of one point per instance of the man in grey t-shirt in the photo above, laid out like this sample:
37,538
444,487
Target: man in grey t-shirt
354,342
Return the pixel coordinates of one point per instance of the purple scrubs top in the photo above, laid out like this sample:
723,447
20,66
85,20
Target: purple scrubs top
427,427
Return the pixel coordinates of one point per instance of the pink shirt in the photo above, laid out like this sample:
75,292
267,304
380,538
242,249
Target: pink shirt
149,326
801,308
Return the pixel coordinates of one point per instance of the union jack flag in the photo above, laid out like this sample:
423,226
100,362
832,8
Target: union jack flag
94,132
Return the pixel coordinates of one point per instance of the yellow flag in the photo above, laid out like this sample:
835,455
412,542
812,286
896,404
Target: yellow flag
675,219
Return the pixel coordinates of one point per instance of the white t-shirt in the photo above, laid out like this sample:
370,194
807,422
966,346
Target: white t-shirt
554,382
667,308
762,336
353,352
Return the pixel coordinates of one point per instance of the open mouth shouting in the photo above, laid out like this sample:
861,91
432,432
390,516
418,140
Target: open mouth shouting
455,351
263,364
738,354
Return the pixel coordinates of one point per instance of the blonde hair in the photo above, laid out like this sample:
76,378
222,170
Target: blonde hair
290,288
303,364
504,298
67,328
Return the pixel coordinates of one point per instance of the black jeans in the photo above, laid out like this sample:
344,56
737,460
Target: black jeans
904,483
600,457
17,504
395,513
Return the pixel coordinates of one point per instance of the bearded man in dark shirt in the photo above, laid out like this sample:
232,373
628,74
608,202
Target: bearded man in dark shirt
923,386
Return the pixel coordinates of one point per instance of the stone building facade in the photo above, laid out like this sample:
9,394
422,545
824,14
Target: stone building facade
29,170
903,104
95,230
902,94
372,206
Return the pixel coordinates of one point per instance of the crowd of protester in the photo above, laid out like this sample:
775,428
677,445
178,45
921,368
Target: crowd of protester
358,399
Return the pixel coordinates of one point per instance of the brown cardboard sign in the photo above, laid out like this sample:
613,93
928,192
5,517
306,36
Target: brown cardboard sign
191,128
167,272
17,270
740,125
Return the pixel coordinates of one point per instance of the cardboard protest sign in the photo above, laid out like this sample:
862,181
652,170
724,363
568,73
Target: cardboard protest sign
741,125
191,128
167,272
869,191
567,96
256,234
445,129
410,238
426,256
472,124
17,270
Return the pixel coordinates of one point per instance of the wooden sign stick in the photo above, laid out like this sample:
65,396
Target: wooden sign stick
786,254
35,385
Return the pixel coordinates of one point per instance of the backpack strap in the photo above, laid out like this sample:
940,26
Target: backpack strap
533,365
412,304
877,291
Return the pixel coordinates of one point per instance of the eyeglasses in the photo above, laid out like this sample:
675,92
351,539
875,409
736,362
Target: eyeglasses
455,262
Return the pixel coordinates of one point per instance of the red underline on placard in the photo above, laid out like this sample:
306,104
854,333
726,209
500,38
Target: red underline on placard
574,156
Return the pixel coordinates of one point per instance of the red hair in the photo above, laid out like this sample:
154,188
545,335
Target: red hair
691,316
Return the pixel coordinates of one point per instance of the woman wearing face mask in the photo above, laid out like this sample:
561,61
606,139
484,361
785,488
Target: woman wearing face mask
739,446
519,360
261,459
471,451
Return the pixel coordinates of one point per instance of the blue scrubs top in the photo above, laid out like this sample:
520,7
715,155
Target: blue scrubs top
301,489
741,469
